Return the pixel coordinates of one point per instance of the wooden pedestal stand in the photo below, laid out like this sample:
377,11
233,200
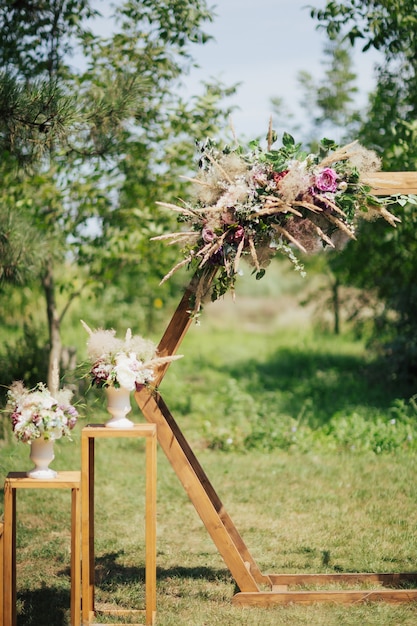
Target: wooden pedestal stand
257,588
19,480
89,435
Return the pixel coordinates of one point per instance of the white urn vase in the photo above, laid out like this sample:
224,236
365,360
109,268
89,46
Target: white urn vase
41,455
118,405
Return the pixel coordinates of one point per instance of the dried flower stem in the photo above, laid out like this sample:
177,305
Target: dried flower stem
253,253
176,236
176,267
280,207
238,255
309,206
197,181
290,238
219,167
335,220
176,208
332,205
323,236
342,154
211,248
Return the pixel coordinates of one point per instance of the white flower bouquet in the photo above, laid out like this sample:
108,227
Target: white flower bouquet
128,362
36,413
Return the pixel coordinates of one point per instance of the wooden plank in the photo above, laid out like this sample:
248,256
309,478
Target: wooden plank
150,528
87,528
9,555
179,324
198,488
76,554
204,481
387,579
271,598
392,183
19,480
63,480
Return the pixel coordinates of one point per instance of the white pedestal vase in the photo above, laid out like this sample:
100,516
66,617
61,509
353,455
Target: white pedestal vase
118,405
41,455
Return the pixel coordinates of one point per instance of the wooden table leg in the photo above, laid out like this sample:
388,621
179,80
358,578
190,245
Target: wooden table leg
87,516
150,530
9,556
75,556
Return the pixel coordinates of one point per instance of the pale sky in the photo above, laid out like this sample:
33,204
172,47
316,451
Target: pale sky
264,44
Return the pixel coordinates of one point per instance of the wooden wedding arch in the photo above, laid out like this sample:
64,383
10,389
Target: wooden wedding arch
256,588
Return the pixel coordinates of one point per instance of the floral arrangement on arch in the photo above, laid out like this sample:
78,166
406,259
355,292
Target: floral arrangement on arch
37,413
254,203
128,362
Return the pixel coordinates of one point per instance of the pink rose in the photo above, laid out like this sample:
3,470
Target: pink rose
326,180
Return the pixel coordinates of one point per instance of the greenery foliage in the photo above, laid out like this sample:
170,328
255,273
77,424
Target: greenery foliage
381,264
93,143
25,358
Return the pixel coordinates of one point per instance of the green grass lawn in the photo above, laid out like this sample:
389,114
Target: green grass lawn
297,512
310,446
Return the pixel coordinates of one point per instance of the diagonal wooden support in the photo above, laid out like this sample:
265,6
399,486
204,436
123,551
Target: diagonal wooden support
228,541
201,493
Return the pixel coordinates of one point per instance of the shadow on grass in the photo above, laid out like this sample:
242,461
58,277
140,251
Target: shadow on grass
48,606
108,572
319,384
208,574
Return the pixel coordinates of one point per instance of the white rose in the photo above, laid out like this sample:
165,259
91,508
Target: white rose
125,372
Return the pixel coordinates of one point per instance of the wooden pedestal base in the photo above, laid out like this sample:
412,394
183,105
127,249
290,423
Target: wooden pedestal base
19,480
89,435
281,594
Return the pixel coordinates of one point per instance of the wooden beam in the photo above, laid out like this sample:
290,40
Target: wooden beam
201,493
271,598
391,579
392,183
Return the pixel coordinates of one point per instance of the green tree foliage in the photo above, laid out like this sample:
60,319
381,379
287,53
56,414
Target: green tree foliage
380,259
388,26
329,103
98,144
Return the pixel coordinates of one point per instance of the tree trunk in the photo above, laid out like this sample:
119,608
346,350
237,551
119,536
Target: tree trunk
54,330
336,306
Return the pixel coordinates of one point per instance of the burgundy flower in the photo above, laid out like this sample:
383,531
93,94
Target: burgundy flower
278,176
228,217
239,234
208,235
217,258
326,180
